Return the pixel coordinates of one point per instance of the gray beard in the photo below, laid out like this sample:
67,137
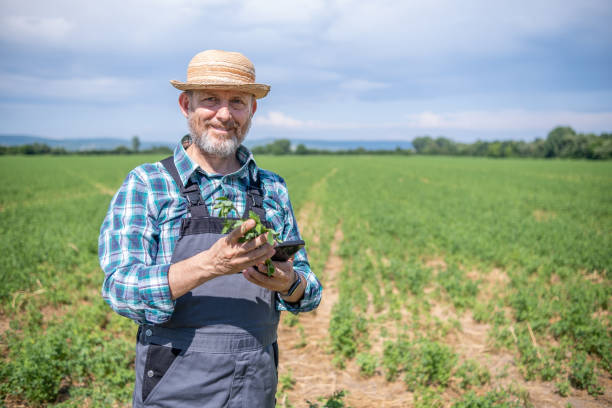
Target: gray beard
223,148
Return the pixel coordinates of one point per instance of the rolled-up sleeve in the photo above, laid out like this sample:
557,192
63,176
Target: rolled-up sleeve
134,286
313,291
290,232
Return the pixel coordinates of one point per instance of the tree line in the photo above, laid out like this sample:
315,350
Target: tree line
42,148
283,146
561,142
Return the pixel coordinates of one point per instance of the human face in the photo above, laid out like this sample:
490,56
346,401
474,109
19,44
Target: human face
219,120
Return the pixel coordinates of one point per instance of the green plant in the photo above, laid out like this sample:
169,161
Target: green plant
291,319
563,388
345,327
428,397
472,374
367,364
459,287
286,381
302,333
500,398
393,357
225,206
423,362
336,400
433,363
582,375
66,357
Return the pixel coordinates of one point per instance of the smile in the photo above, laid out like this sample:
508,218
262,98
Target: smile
221,130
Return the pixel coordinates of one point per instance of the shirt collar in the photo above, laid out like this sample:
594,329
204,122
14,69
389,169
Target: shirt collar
186,167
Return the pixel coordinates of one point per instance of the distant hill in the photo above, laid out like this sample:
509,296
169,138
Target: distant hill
77,144
108,144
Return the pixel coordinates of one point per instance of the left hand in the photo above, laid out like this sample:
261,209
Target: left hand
281,281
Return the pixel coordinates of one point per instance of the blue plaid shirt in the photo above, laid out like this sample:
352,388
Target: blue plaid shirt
142,226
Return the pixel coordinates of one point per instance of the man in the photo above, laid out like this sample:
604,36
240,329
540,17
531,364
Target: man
207,317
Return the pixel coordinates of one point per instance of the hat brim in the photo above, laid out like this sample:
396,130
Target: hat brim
258,90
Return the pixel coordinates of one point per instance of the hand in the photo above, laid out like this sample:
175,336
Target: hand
228,256
280,281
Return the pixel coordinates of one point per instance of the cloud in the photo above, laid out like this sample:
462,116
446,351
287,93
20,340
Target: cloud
509,120
92,89
443,28
32,28
351,29
111,25
279,120
478,121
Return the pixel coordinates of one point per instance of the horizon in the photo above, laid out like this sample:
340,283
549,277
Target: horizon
339,70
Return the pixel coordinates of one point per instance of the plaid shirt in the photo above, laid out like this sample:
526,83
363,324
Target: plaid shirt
142,225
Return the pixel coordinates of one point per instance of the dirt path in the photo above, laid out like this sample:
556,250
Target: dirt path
310,364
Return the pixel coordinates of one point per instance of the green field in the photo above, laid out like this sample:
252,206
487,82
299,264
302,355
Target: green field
521,246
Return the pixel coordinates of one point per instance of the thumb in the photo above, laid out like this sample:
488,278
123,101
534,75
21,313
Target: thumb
239,232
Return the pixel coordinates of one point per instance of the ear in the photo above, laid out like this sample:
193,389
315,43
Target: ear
254,106
184,102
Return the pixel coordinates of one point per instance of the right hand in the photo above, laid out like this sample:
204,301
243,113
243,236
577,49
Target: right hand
228,256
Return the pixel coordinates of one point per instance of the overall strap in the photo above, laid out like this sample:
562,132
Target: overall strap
254,199
191,191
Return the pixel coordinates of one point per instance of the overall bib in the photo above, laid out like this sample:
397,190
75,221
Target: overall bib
219,347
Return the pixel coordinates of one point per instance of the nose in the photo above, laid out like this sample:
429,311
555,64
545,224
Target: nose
223,113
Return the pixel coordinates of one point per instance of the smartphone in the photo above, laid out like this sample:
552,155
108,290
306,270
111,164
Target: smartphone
286,250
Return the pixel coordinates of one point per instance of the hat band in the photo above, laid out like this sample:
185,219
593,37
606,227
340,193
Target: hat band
216,80
219,71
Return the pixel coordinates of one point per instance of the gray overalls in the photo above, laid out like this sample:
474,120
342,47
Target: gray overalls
219,347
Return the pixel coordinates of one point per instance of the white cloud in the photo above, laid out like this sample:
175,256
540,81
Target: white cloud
92,89
28,29
509,120
347,29
278,120
440,28
110,25
478,121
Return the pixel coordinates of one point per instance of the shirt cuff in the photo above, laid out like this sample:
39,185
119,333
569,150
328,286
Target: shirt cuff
312,294
154,291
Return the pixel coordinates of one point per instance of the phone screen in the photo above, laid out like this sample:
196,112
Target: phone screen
286,250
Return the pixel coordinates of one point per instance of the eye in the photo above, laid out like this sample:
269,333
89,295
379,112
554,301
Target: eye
209,100
237,103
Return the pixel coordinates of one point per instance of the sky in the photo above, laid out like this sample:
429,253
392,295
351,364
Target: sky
338,69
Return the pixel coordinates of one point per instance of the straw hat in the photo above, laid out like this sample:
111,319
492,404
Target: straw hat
215,69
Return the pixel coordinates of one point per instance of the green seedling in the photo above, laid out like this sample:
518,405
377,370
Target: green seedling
225,206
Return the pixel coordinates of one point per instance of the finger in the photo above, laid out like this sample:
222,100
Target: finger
284,266
256,256
239,232
255,277
255,243
259,278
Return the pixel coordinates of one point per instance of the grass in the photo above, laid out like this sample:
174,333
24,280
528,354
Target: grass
544,225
